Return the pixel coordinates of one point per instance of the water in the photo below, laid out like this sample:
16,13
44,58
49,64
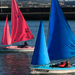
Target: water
18,63
14,63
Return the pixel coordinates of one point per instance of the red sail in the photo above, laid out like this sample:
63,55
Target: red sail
20,29
6,38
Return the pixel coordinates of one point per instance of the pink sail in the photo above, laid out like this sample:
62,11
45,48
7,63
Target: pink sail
6,38
20,29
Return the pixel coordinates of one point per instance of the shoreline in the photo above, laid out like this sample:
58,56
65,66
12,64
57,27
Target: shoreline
38,15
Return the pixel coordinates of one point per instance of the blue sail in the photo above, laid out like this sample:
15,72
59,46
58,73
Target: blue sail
61,41
40,55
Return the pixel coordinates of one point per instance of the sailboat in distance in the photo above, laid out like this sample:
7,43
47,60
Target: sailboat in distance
19,29
61,43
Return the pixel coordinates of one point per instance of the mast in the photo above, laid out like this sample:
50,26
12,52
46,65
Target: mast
11,22
49,25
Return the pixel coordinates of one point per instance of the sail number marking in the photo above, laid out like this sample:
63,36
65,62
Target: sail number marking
41,70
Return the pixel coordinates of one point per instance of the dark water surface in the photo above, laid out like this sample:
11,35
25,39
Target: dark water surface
18,63
14,63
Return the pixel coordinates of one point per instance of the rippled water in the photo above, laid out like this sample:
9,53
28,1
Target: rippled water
14,63
18,63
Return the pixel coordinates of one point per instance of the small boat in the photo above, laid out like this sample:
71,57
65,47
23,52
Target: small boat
61,44
19,30
15,49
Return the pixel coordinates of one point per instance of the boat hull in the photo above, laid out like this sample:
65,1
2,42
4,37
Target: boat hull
47,70
16,49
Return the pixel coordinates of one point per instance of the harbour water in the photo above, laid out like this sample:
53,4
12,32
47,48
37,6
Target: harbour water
18,63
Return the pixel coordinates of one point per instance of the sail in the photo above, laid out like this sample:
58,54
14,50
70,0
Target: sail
20,29
40,55
61,43
6,38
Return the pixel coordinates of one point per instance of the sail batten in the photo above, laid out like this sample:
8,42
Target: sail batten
61,37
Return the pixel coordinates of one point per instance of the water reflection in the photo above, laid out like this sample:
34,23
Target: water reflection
18,64
14,64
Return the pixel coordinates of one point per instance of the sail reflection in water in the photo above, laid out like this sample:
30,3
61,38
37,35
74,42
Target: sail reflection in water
16,64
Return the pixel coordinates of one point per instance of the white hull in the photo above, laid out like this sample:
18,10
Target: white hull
15,49
48,70
41,71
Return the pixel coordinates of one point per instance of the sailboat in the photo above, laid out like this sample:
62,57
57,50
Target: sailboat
61,44
19,30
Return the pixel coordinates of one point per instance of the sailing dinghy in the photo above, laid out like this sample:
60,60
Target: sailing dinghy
61,44
19,30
